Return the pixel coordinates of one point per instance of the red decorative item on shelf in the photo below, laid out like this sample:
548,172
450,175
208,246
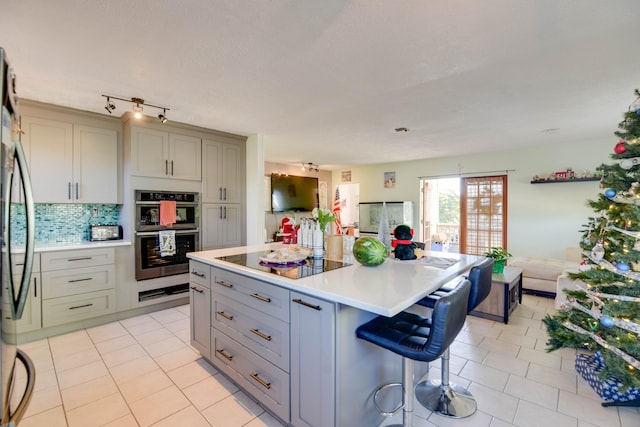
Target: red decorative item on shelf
620,147
561,175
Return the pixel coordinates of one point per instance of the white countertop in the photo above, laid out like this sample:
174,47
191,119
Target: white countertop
386,289
51,247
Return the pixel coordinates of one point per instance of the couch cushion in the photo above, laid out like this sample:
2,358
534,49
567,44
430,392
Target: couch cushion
538,267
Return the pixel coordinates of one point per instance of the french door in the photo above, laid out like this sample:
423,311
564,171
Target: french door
483,214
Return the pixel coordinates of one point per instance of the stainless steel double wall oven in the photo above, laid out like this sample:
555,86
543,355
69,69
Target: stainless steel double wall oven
149,260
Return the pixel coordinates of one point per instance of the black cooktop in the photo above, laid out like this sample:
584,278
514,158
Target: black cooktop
296,270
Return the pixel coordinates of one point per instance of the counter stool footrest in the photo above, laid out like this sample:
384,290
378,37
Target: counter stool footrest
377,393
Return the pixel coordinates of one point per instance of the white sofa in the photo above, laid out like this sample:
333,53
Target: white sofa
540,275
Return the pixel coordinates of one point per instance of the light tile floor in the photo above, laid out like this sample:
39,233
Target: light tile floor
143,372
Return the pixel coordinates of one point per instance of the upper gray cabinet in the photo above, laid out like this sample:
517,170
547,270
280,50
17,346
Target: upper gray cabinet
223,175
71,163
159,154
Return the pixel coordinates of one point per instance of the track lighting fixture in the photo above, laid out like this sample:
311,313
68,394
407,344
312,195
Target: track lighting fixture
137,111
110,105
310,167
163,116
138,108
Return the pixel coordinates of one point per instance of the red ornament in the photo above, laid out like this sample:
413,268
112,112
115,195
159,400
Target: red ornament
620,148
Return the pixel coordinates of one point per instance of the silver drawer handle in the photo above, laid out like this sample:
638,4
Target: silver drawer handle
196,273
224,354
80,259
262,382
261,334
200,291
260,297
223,283
80,306
80,280
225,315
306,304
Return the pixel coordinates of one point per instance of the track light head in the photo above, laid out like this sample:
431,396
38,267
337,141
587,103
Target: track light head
163,116
110,106
137,111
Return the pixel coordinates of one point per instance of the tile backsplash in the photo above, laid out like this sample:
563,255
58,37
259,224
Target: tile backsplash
61,223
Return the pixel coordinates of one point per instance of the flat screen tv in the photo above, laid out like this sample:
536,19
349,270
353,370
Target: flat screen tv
293,193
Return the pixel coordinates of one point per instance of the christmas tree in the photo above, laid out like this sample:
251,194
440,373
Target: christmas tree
602,312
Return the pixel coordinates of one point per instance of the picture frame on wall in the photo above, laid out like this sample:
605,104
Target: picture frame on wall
389,179
346,176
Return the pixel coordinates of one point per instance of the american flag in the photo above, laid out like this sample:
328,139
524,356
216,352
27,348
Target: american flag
336,211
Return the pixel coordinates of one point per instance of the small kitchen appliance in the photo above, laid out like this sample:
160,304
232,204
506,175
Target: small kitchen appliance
105,232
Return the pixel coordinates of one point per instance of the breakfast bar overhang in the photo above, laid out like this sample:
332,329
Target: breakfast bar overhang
287,337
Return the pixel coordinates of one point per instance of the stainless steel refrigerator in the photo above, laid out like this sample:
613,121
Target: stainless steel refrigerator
17,372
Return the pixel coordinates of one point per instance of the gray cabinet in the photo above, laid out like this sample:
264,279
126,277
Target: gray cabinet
31,316
223,172
297,354
160,154
223,182
200,307
77,285
312,363
221,225
250,337
71,163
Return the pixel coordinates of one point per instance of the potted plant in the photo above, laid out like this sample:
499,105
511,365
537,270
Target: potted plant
500,256
324,217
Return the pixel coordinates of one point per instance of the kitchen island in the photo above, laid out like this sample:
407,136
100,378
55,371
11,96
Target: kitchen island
287,335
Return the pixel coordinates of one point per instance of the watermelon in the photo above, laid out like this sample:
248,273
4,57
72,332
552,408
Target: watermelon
369,251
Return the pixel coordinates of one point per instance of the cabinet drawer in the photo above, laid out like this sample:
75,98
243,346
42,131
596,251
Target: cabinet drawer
266,382
73,259
77,281
58,311
263,334
258,295
17,263
200,273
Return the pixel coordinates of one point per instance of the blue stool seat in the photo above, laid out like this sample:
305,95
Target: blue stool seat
441,396
418,338
480,278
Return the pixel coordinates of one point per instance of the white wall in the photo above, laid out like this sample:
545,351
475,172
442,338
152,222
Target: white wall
543,219
254,176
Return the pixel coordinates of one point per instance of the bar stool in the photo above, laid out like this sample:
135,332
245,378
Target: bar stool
441,396
418,338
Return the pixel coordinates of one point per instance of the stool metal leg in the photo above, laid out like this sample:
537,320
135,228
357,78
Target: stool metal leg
407,394
443,398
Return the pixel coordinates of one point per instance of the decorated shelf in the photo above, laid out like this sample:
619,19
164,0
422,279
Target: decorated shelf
557,181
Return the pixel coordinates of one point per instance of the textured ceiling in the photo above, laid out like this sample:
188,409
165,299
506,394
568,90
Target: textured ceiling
328,81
